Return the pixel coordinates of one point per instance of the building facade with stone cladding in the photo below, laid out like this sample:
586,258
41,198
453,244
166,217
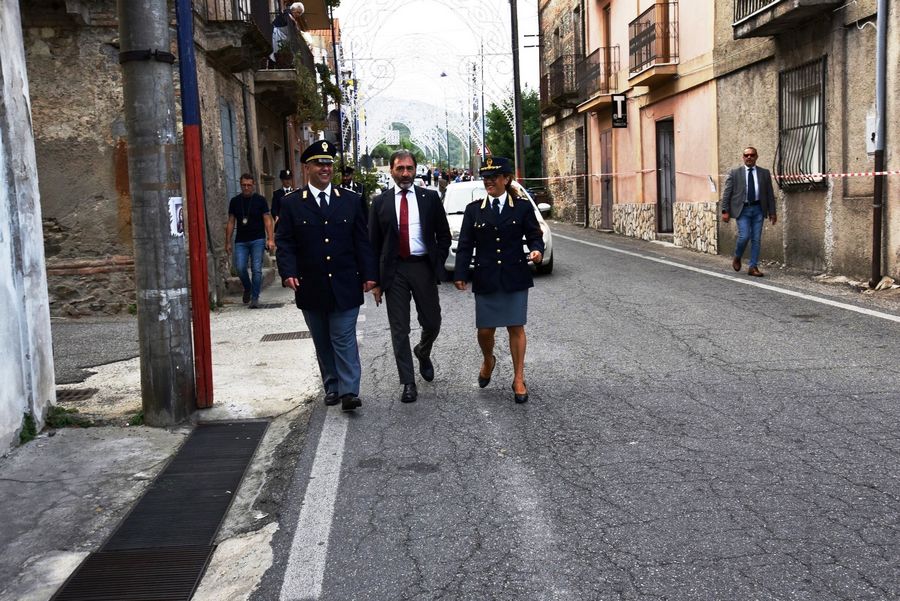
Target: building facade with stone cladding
654,178
563,129
808,66
82,148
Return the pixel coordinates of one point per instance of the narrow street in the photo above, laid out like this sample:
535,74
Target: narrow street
688,436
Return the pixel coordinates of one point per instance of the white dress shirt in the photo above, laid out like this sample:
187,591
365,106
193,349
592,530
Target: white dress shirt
315,192
416,242
501,198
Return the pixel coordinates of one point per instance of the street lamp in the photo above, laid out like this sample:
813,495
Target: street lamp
446,121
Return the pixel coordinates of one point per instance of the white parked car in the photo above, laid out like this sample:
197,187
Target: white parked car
460,194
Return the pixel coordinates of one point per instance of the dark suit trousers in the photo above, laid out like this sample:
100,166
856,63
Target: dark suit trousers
412,281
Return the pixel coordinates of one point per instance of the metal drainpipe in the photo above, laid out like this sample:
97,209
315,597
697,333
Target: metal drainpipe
880,131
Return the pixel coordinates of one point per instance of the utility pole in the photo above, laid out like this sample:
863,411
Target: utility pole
154,167
517,93
880,132
337,74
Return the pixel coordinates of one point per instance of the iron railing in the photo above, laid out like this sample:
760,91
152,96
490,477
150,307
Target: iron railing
800,158
223,10
596,73
747,8
287,45
562,78
546,102
653,37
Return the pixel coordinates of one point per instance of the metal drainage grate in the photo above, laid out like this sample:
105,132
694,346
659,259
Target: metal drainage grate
70,395
137,575
160,550
269,305
285,336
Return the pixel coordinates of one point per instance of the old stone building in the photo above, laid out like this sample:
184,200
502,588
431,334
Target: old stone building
797,80
247,102
563,129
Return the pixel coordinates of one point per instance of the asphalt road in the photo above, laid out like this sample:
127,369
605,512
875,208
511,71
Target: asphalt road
688,436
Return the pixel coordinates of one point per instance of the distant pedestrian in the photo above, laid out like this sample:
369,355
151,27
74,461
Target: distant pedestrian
428,177
492,231
749,197
348,183
287,186
250,222
409,230
325,257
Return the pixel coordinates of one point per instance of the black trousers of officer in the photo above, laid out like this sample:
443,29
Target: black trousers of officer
413,280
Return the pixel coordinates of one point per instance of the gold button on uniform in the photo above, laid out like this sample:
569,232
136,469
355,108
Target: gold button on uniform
327,240
327,258
499,262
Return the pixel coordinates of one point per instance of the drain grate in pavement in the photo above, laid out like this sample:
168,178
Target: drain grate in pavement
285,336
176,521
269,305
170,574
70,395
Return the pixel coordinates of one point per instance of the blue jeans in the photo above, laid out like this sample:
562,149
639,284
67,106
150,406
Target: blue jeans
244,251
750,225
334,336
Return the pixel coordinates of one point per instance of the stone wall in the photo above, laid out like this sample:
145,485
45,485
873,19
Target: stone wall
635,220
696,226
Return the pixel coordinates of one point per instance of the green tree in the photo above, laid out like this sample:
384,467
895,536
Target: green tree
500,132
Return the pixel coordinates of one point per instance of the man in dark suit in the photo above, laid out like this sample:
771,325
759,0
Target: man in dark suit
749,197
287,186
324,255
409,230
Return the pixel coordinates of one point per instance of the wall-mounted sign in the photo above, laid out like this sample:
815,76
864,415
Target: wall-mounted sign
620,113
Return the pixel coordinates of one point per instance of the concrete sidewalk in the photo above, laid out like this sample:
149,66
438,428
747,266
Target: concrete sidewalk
64,492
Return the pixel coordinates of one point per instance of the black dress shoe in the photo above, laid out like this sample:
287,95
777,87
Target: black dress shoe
482,381
350,402
332,398
409,394
520,398
426,367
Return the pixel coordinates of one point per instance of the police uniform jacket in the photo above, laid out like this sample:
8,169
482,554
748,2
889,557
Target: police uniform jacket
501,265
328,251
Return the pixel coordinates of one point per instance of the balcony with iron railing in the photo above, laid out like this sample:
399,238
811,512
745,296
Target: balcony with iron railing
234,39
761,18
563,86
597,77
653,45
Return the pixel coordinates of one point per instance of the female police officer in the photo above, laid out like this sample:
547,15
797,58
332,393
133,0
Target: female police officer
493,230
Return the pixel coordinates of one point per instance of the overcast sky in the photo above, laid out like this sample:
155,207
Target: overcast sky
399,49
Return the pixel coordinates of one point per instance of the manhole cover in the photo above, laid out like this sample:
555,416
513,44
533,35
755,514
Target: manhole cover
70,395
285,336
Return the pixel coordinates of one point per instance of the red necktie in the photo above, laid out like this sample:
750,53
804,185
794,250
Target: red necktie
404,226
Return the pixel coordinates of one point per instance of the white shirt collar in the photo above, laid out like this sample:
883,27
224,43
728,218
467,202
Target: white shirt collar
315,191
398,189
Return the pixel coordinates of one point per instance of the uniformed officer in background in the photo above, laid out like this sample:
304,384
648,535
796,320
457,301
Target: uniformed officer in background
324,255
287,186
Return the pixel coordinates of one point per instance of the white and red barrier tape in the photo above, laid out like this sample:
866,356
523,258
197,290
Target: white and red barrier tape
819,176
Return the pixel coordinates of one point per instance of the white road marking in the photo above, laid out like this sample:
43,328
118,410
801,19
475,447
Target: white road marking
309,548
815,299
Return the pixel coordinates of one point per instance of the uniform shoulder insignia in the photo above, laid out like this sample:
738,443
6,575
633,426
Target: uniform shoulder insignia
305,194
483,202
336,192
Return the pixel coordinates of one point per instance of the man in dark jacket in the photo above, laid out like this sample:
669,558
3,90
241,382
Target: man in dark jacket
409,230
749,197
324,255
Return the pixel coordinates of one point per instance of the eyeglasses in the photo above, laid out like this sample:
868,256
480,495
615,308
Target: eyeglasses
749,155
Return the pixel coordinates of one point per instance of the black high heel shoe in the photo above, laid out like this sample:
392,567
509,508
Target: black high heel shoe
482,382
519,398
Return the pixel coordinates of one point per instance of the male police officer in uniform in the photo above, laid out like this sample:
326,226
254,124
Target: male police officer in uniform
287,186
324,255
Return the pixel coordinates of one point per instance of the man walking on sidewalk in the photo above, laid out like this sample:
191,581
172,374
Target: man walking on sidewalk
248,213
408,228
748,196
325,257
